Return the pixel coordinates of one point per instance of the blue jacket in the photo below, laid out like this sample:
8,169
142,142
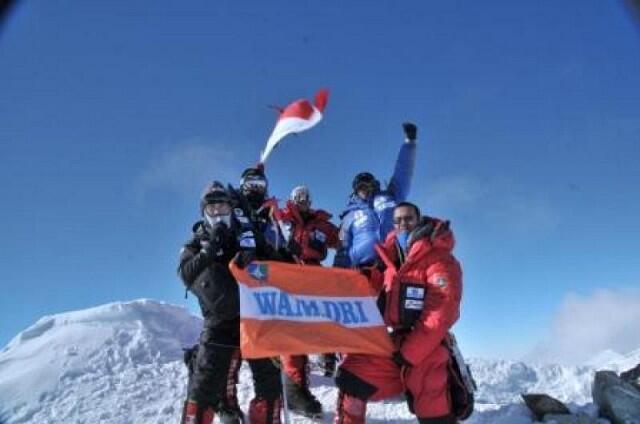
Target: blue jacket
367,222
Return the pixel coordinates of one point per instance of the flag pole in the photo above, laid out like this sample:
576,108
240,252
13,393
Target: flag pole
285,405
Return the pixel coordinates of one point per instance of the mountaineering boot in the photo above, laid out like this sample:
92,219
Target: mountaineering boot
328,364
350,410
263,411
230,415
192,413
301,401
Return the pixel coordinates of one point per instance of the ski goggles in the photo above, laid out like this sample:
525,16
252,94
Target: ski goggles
218,208
254,185
212,221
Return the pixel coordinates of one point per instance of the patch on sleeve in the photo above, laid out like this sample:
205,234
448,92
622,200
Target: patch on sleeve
247,242
442,282
382,203
247,239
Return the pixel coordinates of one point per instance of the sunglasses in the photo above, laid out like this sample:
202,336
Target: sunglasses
397,220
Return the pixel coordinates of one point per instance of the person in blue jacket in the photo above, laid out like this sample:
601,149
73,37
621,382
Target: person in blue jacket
368,217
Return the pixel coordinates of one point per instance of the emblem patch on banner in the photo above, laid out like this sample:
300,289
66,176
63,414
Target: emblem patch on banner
258,271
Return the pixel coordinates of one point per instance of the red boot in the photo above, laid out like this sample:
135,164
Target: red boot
296,368
299,398
192,413
350,410
262,411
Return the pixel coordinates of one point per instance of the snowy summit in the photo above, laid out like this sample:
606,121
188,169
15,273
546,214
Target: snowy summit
122,363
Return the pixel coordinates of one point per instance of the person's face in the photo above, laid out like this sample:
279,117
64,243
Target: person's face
303,202
365,190
405,218
217,209
303,205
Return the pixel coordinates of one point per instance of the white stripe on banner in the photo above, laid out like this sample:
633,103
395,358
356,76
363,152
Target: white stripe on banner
271,303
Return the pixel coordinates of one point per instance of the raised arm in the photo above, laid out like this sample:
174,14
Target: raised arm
400,183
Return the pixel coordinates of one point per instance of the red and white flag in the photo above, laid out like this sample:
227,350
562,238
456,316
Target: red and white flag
288,309
296,117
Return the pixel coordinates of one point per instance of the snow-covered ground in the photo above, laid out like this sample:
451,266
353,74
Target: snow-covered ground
122,363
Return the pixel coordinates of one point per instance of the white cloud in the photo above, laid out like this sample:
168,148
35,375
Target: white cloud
457,191
524,213
500,202
186,167
585,326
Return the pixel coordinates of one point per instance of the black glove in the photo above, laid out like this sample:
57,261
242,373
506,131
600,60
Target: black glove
372,271
410,131
294,248
367,271
189,357
218,233
244,258
319,246
216,240
209,249
399,360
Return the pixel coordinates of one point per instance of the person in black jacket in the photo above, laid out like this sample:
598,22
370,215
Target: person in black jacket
224,233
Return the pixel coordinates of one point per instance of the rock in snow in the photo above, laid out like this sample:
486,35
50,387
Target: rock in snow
541,405
617,400
122,363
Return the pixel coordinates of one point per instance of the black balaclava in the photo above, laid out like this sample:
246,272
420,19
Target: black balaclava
254,186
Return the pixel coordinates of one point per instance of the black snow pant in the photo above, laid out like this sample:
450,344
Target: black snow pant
213,369
212,363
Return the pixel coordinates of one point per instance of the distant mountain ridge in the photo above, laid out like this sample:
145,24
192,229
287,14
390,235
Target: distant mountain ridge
122,362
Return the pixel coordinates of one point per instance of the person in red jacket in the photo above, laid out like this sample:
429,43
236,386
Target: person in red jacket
310,231
420,297
309,234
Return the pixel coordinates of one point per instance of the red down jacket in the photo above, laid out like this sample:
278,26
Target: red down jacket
423,289
313,232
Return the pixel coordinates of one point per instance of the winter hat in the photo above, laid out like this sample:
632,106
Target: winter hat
365,178
213,193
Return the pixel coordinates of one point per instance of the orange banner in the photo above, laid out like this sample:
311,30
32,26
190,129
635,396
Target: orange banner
297,309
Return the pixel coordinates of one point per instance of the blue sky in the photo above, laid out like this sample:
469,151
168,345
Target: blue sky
113,116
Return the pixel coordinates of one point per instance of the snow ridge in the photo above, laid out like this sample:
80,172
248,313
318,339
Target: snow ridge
96,364
122,363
